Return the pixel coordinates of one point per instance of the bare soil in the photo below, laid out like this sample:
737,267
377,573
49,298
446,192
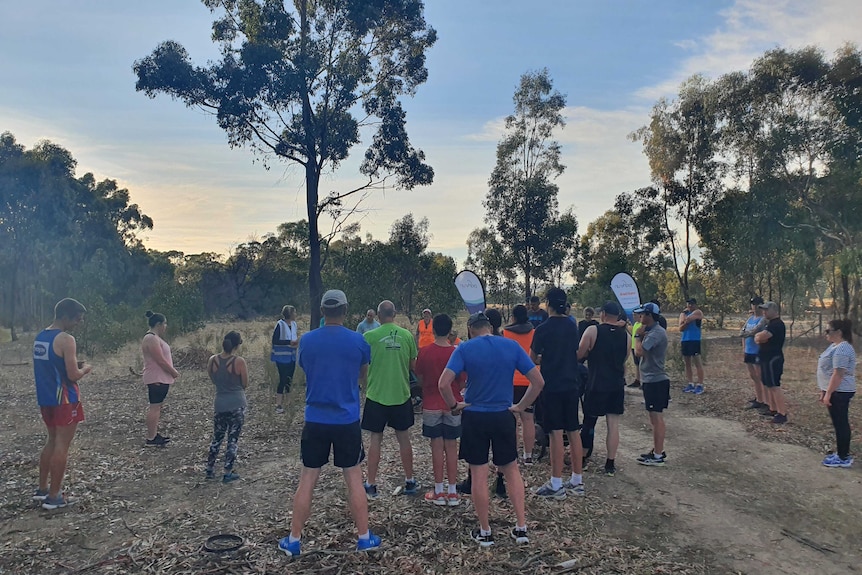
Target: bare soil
737,496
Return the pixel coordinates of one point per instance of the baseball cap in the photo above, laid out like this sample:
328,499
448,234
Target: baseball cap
333,298
476,318
426,309
756,300
691,300
770,305
611,308
648,307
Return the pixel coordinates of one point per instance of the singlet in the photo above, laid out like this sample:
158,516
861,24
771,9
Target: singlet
750,347
283,334
230,395
426,333
53,386
153,372
692,330
607,360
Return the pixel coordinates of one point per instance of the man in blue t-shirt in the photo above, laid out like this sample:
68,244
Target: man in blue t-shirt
690,322
488,421
333,358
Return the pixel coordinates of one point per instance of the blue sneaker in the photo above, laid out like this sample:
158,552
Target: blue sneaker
411,487
830,459
688,388
373,542
40,495
835,461
370,492
698,389
291,549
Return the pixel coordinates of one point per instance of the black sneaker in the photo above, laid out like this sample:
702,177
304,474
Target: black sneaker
635,383
610,470
754,404
520,536
465,487
482,540
157,441
500,488
652,459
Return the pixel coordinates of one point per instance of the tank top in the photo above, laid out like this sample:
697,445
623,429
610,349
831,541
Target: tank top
692,330
53,386
153,372
230,394
426,333
607,359
751,348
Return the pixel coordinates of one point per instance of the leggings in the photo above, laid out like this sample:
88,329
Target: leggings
839,412
226,423
588,434
285,376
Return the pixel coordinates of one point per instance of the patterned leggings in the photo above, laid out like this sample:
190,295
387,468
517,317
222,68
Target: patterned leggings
226,423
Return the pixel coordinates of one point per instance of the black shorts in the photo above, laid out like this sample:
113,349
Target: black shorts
599,403
518,395
635,358
690,348
345,441
561,410
771,369
751,358
481,431
656,395
376,416
157,392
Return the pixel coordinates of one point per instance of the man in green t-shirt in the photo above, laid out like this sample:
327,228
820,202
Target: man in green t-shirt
387,395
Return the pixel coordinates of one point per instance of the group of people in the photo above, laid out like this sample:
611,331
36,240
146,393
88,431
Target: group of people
542,368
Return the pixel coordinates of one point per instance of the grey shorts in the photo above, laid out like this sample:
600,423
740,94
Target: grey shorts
437,423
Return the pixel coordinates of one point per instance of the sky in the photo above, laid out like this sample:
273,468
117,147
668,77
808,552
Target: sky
66,69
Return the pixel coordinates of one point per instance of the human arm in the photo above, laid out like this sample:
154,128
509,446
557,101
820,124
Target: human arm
639,341
152,348
761,325
363,372
444,384
682,321
834,382
66,347
241,369
537,382
762,337
587,342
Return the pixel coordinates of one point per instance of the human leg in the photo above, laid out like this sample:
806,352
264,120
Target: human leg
437,457
356,499
374,442
557,453
698,365
480,496
613,438
220,427
656,418
528,430
839,411
576,452
59,457
302,500
688,372
236,420
405,450
45,458
450,448
516,492
154,411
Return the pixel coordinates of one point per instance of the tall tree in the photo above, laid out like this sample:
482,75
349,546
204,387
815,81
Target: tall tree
297,82
521,202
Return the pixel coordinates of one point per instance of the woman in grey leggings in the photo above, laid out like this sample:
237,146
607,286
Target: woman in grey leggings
229,374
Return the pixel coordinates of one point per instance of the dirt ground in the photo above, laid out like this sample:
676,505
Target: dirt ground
737,495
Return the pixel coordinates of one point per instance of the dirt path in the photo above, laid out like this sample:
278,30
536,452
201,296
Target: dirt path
739,503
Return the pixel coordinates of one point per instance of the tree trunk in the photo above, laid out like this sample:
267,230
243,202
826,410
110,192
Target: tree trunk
12,297
315,281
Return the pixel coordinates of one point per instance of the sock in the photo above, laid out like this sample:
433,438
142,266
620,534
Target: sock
438,488
366,536
556,482
484,532
521,527
408,480
577,479
452,489
528,455
609,463
292,539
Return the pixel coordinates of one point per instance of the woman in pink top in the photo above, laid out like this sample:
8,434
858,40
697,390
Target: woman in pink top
159,373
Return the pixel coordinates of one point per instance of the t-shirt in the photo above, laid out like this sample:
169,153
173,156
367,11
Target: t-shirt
365,326
537,317
331,357
654,344
775,344
430,364
490,363
557,341
635,329
392,349
753,325
837,356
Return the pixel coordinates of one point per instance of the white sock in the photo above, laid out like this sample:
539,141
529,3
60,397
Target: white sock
452,490
577,479
438,488
528,455
366,535
483,532
556,482
408,479
521,527
292,539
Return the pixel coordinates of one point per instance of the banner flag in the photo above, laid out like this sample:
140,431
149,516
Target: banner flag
626,290
472,290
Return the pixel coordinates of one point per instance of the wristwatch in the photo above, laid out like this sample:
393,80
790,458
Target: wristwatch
454,407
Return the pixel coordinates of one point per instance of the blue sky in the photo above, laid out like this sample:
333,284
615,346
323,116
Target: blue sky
66,69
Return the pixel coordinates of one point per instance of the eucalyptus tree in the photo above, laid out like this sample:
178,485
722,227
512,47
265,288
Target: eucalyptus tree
298,81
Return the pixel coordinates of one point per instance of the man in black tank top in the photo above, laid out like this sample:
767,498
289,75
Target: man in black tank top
606,347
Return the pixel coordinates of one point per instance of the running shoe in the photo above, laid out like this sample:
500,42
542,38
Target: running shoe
291,549
229,477
157,441
54,502
688,388
768,413
436,498
698,390
846,462
500,488
482,540
610,470
548,492
779,418
578,490
210,474
528,461
279,409
373,542
371,492
465,487
829,461
411,487
40,495
754,404
453,499
520,536
652,459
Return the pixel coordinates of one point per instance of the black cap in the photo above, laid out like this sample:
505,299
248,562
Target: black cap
611,308
691,300
477,317
756,300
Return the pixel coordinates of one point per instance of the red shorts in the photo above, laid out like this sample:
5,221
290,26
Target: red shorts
62,415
